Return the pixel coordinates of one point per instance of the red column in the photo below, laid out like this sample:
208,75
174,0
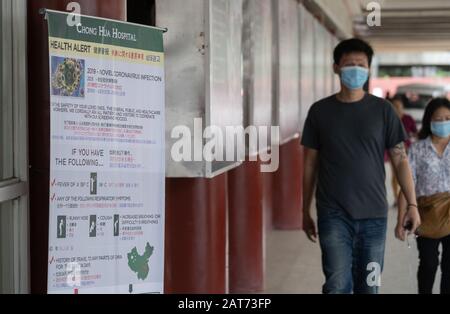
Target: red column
39,123
196,235
268,200
287,188
246,264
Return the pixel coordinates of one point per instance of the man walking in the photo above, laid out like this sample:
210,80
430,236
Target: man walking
345,138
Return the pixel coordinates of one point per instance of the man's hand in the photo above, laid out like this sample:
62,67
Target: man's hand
309,226
412,218
400,232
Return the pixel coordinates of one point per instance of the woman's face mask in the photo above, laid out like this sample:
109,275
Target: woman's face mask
354,77
441,128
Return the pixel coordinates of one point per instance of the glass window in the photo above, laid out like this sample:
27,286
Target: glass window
6,112
14,253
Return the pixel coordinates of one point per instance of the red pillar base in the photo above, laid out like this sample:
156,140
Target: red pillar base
246,264
268,200
287,188
195,236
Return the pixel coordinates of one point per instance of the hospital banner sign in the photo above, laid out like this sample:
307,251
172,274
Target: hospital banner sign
107,158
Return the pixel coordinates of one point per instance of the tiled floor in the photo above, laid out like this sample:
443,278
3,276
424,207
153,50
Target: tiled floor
293,263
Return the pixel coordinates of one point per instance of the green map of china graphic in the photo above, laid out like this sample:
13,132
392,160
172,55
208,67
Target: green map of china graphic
139,263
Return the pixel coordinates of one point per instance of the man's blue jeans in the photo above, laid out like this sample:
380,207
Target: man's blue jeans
352,252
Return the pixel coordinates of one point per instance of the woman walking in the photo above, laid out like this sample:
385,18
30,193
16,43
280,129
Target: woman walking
430,163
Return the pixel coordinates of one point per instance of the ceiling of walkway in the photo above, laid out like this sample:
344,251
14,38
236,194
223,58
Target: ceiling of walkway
407,25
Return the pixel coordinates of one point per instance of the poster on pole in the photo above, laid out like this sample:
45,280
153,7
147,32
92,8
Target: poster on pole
107,163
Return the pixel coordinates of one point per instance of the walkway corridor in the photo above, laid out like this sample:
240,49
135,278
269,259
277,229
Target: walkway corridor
294,266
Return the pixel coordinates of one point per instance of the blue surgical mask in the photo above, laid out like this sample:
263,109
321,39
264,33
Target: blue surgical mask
441,129
354,77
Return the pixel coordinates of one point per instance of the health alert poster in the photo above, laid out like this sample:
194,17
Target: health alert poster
107,167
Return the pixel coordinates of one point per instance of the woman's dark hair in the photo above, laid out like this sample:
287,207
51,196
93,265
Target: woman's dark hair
432,107
352,45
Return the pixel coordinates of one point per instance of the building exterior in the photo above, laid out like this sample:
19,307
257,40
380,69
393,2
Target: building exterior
280,54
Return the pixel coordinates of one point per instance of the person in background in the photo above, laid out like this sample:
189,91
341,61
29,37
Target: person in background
408,121
388,96
430,163
411,130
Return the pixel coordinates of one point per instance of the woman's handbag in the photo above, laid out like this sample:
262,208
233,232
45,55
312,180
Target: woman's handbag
435,215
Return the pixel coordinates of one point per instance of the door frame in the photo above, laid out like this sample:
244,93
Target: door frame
14,82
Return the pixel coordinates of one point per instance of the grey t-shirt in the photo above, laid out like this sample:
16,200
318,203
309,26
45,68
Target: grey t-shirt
351,139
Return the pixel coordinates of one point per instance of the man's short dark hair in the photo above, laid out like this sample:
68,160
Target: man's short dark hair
353,45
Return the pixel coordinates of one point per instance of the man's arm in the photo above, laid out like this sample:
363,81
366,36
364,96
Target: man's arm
311,162
404,176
